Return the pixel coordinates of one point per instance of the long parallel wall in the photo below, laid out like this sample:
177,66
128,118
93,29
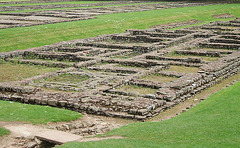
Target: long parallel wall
21,19
135,75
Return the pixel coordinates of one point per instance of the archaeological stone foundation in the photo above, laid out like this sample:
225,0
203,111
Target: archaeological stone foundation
74,12
134,75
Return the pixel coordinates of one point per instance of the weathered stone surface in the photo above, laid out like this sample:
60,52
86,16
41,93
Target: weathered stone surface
52,102
111,62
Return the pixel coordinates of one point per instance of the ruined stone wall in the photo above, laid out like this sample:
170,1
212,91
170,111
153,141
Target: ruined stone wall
112,62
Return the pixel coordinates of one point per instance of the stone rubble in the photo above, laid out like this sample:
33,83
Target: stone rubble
117,60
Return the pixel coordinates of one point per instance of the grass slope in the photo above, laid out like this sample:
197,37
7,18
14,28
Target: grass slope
14,111
26,37
3,131
212,123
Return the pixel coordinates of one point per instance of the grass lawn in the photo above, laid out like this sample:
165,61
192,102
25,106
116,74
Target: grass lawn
212,123
16,72
35,36
159,78
183,69
14,111
206,58
3,131
71,78
140,89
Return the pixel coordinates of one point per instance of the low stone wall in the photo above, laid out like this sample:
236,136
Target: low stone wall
198,53
171,73
138,38
222,63
113,68
43,63
108,70
187,60
51,6
134,63
144,83
6,87
220,45
221,40
209,75
101,105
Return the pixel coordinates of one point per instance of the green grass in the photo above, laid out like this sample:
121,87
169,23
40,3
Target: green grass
72,78
3,131
102,63
159,78
205,58
183,69
140,89
206,22
36,114
16,72
212,123
181,27
26,37
126,56
129,66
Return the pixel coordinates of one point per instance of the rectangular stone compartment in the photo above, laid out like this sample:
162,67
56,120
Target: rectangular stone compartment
183,69
15,72
137,89
204,58
159,78
71,78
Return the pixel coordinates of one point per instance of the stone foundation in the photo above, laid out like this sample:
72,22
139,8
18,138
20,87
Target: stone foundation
113,61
